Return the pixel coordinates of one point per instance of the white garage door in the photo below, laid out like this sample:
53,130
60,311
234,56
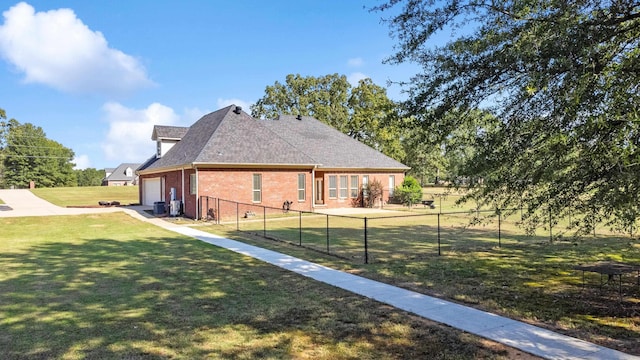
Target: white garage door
152,191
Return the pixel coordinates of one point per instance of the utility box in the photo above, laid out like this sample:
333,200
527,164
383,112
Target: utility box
174,207
159,208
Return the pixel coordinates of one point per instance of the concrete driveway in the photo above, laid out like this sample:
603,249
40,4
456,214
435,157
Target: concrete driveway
24,203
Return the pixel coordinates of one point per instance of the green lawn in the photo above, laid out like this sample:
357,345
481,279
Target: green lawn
109,286
526,278
89,195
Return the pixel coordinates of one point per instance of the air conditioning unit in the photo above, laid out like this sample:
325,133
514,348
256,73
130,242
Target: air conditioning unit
174,207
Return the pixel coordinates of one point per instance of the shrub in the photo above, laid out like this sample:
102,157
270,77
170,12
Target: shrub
409,192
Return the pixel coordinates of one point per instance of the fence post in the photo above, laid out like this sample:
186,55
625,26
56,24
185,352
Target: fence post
499,228
300,226
550,225
366,247
438,234
238,216
218,210
206,212
328,252
264,221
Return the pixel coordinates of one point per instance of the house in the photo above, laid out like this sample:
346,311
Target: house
123,175
230,155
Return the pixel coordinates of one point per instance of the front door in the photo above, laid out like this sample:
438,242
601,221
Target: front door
319,191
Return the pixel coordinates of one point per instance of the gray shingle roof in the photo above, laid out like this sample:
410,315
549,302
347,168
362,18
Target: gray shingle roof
168,132
119,174
227,138
329,147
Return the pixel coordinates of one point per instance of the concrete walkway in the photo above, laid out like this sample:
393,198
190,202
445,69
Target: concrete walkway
534,340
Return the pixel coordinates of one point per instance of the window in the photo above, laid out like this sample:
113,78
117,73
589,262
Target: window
354,186
302,187
333,187
392,185
365,183
192,184
128,172
343,186
257,188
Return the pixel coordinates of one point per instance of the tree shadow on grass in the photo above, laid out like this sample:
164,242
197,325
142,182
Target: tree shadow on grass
527,277
179,298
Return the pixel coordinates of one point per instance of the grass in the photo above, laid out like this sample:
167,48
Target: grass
88,196
527,278
109,286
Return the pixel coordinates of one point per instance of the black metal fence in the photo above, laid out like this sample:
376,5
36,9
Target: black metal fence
378,238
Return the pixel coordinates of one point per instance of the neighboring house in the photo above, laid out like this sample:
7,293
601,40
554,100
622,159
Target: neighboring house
123,175
230,155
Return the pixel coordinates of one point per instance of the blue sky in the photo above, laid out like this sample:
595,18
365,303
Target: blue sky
97,75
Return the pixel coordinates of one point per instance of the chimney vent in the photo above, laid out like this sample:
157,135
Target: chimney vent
299,117
238,110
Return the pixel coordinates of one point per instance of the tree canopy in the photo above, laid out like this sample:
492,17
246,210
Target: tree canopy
363,112
563,80
28,155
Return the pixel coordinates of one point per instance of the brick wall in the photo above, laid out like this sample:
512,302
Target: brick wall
237,184
278,185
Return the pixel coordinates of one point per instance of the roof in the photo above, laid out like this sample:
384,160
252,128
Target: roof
227,137
120,173
329,147
168,132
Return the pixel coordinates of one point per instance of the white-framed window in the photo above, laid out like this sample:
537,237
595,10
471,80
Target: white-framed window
302,187
344,192
333,186
392,185
353,188
193,184
365,182
257,188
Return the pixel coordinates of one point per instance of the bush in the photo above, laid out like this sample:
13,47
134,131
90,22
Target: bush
409,192
372,192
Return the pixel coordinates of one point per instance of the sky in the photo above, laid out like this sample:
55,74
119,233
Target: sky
97,75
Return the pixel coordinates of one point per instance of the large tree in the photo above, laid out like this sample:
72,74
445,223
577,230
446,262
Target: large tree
89,177
563,79
363,112
28,155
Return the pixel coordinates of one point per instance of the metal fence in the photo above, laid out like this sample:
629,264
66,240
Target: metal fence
377,238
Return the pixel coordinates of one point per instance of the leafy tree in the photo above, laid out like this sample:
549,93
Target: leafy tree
561,77
363,112
90,177
30,156
409,192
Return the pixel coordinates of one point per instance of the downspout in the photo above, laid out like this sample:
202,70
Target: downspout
313,187
197,195
182,187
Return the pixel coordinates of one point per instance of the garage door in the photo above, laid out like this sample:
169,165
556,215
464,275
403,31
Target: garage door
151,192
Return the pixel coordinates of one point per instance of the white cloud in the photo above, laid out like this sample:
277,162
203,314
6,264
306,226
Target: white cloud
355,77
355,62
57,49
129,136
82,162
226,102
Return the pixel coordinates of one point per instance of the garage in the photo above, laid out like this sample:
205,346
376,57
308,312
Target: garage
151,191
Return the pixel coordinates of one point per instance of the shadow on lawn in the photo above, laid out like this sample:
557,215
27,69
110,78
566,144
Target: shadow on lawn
166,298
527,278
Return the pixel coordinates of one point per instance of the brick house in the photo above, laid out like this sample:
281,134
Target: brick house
230,155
